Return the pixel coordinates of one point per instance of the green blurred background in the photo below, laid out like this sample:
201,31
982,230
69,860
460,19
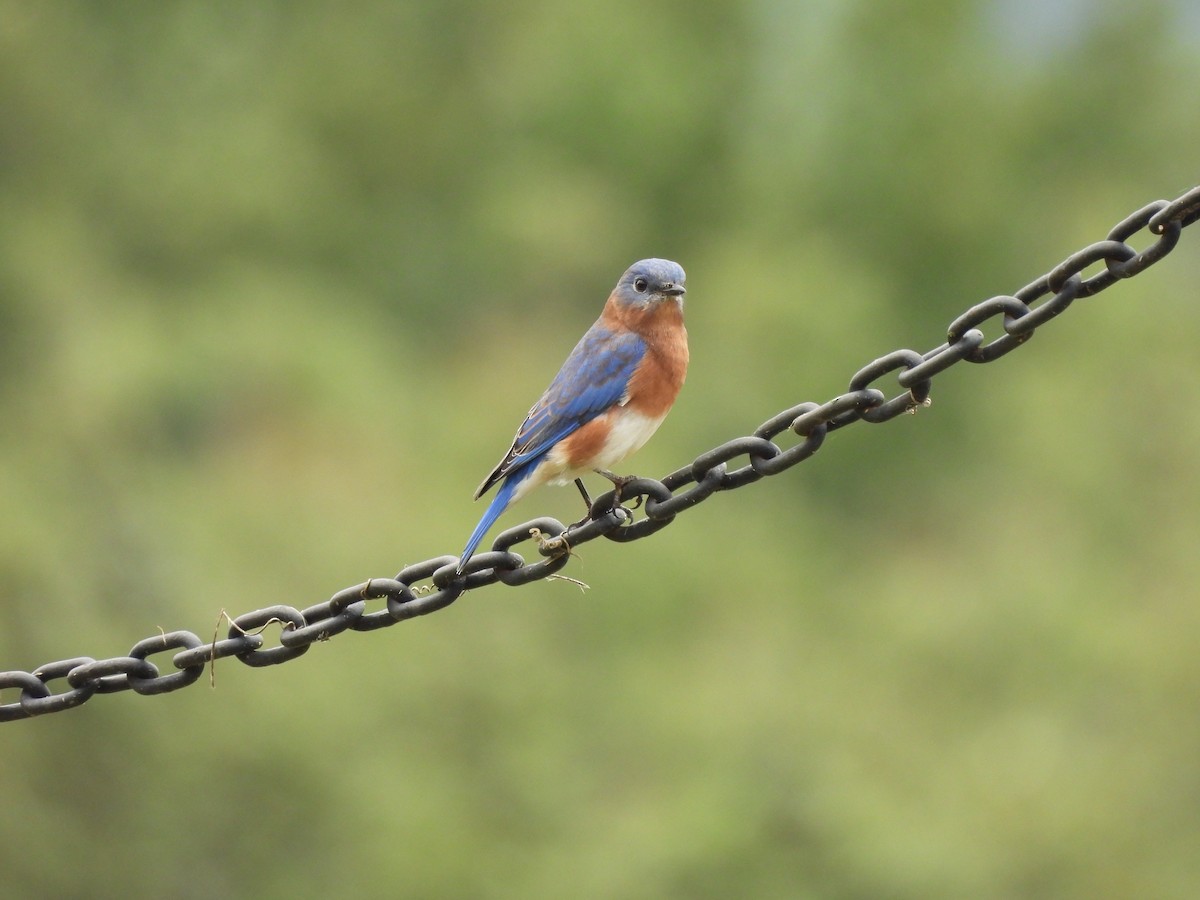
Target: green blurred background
278,281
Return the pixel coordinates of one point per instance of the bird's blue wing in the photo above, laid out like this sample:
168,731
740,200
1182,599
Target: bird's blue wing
594,378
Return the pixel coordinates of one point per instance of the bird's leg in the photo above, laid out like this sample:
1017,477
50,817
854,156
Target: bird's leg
619,483
583,492
587,500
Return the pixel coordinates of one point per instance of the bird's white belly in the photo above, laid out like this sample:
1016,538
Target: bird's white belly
628,431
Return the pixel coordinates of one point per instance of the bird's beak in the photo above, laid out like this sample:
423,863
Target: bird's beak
672,289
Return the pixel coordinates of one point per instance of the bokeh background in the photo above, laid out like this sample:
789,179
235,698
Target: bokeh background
277,282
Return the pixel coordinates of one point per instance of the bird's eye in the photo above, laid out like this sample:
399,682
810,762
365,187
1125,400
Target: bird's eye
640,285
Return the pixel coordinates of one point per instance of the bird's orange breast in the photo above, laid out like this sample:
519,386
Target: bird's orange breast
587,443
658,378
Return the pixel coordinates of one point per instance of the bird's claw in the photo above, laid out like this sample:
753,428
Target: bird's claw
619,483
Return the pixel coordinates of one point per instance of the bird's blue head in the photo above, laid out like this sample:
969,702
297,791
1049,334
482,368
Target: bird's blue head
650,282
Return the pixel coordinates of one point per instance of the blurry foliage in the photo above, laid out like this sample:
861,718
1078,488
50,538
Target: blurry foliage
277,281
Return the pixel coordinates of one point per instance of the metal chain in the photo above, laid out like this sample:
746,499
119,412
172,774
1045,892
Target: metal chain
408,595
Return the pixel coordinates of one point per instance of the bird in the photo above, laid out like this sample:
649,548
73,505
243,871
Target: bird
607,400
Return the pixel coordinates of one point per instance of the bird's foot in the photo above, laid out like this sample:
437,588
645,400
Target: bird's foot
620,482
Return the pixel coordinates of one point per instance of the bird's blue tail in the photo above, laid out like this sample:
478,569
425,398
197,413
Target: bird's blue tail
495,508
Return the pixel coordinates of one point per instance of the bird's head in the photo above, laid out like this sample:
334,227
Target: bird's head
651,282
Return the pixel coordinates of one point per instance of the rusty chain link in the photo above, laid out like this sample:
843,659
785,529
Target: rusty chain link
408,595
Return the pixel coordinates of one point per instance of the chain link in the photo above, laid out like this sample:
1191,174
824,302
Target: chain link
434,584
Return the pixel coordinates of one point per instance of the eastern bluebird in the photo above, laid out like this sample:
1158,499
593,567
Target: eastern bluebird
610,396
